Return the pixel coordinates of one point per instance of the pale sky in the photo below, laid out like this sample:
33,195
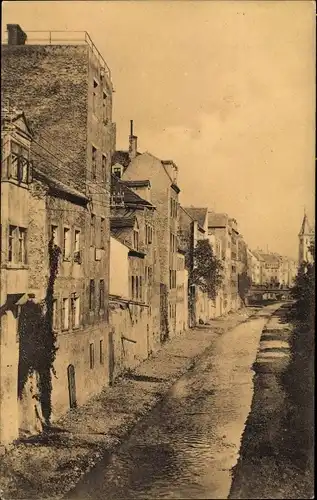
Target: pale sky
224,88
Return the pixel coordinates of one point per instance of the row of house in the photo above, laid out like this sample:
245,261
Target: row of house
96,249
271,269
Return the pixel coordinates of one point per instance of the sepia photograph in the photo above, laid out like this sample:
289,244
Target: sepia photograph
157,312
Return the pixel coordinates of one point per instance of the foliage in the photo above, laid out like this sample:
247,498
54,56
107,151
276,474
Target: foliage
38,339
244,284
206,269
300,373
303,292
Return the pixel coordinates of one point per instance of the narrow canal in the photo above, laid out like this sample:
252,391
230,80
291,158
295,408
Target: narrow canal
186,447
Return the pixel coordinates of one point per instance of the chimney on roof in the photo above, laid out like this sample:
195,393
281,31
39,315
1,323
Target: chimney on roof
16,35
133,143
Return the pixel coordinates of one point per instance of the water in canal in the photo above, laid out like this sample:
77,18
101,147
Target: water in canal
187,446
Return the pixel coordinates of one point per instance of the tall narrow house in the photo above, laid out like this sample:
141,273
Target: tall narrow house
133,166
65,90
16,176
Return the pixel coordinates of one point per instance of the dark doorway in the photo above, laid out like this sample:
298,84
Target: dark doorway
71,386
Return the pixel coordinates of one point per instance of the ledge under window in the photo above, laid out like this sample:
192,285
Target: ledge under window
15,265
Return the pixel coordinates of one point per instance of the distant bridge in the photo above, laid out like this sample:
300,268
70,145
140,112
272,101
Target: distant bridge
267,292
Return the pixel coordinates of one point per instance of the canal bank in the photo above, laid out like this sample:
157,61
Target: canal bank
48,465
276,455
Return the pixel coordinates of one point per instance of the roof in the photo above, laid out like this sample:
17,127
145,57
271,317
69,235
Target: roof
217,219
191,217
132,251
122,157
10,115
198,214
305,228
130,197
257,254
270,257
58,186
122,222
144,183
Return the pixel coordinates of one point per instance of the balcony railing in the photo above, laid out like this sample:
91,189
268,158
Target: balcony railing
63,38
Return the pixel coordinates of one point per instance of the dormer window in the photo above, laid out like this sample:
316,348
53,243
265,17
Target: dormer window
117,171
19,167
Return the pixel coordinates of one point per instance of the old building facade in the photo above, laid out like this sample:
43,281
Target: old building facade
16,176
191,230
71,151
162,175
133,225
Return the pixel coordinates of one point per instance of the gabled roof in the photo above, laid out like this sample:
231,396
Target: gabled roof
122,157
12,116
132,251
257,254
305,228
217,219
130,197
57,186
198,214
270,257
141,183
122,222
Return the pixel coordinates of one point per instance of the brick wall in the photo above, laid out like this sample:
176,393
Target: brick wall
50,84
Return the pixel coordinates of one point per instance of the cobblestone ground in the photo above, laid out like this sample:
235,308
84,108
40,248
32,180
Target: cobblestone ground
48,465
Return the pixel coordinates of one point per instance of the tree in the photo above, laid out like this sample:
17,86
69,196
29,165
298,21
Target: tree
303,292
244,285
206,270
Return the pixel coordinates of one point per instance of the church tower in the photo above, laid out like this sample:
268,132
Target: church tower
305,236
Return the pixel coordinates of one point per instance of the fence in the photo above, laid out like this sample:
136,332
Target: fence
63,38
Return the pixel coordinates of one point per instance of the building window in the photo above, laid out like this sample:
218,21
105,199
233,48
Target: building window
132,286
66,244
19,163
172,278
105,107
91,355
92,230
137,287
54,234
140,287
93,162
148,234
101,295
117,172
77,240
102,232
54,314
104,168
91,295
136,239
65,314
12,230
17,244
101,355
95,97
22,245
75,304
150,275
